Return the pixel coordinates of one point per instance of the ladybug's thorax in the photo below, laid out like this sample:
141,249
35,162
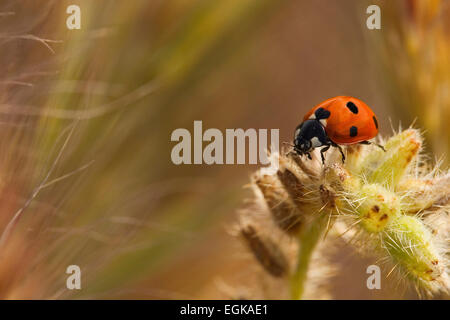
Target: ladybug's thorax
309,135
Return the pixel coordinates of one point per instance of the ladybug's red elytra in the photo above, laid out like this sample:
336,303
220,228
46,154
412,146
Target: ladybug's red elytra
341,120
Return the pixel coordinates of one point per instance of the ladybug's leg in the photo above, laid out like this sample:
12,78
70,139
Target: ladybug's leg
378,145
340,150
322,151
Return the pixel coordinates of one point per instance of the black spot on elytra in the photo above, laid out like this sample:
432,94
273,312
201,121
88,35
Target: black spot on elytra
375,121
353,131
352,107
321,113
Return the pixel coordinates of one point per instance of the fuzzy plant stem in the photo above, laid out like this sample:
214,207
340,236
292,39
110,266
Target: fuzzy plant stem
307,243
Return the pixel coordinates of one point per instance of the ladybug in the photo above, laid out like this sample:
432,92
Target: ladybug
341,120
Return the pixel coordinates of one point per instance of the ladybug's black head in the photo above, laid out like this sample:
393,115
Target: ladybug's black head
309,135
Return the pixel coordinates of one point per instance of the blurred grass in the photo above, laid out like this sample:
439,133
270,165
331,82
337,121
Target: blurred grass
172,62
414,50
124,133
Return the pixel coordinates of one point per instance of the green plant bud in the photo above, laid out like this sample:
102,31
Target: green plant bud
410,244
388,167
422,194
377,208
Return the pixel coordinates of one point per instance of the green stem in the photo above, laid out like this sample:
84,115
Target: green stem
307,242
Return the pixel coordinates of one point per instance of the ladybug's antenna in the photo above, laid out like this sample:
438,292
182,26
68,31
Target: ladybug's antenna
289,144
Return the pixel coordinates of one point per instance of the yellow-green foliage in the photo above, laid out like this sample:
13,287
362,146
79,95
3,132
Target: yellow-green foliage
414,47
383,195
378,206
411,245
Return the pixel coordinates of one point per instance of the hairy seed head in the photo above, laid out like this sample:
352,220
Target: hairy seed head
282,207
266,251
